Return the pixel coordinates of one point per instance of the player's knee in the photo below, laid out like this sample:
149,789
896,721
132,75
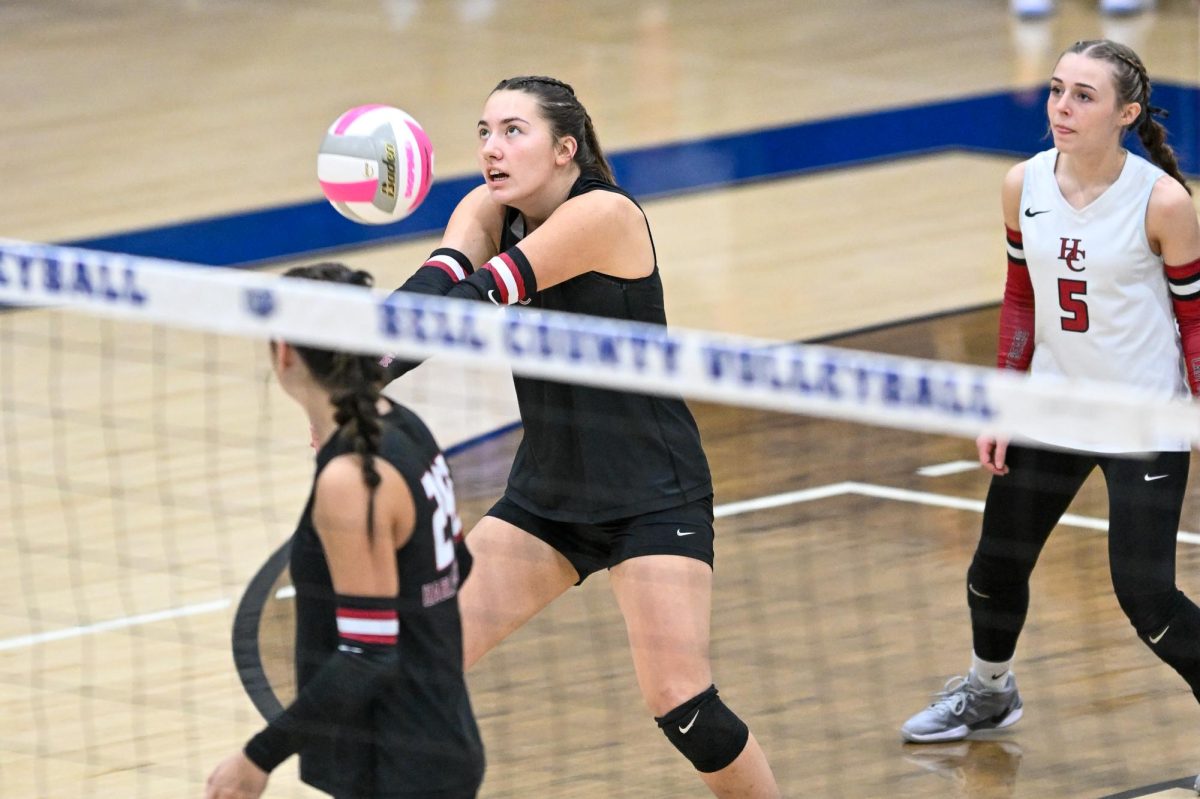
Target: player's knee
981,573
1148,612
991,579
705,731
1004,564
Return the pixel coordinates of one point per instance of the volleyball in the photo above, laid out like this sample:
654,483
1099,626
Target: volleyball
375,164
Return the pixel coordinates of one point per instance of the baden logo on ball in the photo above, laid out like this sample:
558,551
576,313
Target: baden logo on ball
375,164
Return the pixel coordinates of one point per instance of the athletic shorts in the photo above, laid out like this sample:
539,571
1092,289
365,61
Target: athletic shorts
686,530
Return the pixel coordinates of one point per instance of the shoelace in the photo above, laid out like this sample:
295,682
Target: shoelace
954,694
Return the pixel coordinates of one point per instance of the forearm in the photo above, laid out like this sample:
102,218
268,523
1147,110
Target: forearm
442,270
1184,283
342,689
504,280
1015,345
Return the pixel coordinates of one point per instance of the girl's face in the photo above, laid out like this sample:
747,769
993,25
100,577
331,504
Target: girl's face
518,153
1082,107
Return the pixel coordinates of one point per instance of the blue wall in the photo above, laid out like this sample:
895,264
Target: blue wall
1008,123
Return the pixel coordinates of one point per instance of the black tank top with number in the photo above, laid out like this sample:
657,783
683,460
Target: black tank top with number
593,455
419,738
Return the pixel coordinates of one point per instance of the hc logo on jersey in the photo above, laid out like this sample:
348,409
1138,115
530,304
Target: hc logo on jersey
260,302
1070,252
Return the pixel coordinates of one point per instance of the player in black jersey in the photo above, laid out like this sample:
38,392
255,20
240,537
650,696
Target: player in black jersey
382,708
602,479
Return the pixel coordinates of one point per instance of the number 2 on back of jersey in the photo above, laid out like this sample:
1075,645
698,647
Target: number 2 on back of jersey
446,525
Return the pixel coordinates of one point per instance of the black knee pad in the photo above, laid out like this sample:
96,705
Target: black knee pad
1149,613
1173,635
997,577
708,733
998,609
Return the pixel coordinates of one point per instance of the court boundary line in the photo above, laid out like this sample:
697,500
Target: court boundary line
726,510
1163,789
121,623
883,327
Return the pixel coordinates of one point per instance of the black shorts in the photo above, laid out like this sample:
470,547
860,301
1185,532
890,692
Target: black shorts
685,530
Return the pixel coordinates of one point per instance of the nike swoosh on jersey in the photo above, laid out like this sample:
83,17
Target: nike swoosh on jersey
1029,212
1149,479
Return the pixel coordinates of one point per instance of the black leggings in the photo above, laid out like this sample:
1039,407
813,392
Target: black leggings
1145,497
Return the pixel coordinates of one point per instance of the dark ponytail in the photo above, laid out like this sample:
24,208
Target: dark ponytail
357,418
1154,138
1133,86
353,380
567,117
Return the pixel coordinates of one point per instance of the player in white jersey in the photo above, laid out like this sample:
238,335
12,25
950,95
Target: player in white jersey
1103,283
1103,309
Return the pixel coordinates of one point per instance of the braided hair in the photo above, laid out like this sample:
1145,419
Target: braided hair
567,117
1133,86
353,381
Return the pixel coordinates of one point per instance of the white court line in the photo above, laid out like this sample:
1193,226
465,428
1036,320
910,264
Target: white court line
720,512
950,467
115,624
779,500
906,495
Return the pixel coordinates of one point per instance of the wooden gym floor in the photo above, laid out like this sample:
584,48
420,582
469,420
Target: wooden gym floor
149,473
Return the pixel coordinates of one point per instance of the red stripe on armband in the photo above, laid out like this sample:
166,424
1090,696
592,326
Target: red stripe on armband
1015,246
509,282
1184,283
447,265
501,286
513,270
1186,272
368,626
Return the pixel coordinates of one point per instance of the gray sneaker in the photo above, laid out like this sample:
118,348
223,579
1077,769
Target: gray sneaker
962,707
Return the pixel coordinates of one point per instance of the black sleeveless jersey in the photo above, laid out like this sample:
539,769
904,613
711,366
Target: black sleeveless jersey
592,455
419,738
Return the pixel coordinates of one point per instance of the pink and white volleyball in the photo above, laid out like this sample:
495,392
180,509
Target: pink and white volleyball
375,164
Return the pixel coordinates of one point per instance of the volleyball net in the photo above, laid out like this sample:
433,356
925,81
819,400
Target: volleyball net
153,475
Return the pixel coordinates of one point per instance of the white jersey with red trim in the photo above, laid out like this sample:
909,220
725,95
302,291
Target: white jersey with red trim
1101,299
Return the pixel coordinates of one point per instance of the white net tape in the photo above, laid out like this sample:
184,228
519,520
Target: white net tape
866,387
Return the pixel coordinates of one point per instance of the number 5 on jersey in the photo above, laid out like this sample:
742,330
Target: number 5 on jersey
447,527
1070,294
